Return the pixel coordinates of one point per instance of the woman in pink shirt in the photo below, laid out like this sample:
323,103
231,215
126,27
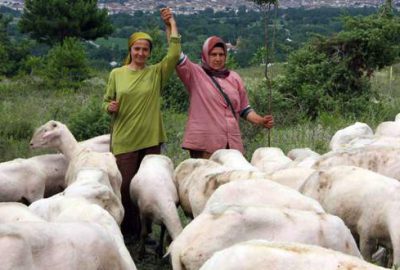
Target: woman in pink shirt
213,121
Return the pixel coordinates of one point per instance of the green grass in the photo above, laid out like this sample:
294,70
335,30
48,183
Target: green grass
28,102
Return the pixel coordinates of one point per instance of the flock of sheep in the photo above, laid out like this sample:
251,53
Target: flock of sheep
301,211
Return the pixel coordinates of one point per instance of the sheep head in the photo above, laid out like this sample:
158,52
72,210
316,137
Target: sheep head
47,135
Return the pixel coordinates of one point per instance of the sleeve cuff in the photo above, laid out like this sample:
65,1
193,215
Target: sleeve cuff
175,39
245,112
182,58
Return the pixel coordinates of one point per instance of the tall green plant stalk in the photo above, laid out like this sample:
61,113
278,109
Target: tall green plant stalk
265,8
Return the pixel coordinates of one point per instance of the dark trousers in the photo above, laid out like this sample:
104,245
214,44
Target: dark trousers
128,164
201,153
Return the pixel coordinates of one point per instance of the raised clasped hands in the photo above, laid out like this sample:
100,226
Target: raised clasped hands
167,16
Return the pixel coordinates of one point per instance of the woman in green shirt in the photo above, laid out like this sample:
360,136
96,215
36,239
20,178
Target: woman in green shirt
133,98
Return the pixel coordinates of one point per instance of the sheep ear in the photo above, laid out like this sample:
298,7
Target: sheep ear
49,135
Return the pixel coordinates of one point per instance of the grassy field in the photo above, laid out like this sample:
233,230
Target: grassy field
27,102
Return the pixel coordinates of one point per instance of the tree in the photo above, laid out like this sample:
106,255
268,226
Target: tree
332,74
12,54
67,64
51,21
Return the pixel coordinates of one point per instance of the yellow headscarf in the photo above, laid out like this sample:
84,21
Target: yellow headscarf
132,39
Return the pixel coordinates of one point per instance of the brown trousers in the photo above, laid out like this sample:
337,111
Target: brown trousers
202,154
128,164
199,154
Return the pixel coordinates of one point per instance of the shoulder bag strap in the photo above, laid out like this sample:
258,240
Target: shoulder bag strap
227,100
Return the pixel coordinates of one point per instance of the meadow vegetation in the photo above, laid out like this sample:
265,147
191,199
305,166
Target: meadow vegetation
27,102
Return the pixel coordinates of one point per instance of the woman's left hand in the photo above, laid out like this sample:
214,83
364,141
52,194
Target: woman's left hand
166,15
268,121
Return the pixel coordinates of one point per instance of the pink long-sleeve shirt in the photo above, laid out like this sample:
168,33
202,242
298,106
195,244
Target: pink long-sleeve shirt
211,124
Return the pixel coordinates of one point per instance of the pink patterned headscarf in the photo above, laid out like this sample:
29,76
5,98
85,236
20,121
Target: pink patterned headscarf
208,45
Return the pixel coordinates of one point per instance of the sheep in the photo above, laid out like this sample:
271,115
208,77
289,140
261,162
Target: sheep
17,212
356,131
291,177
388,128
54,134
154,191
302,153
91,185
259,254
302,157
261,192
232,159
24,180
197,179
368,203
28,180
226,225
183,177
94,185
269,159
59,208
99,143
64,246
383,160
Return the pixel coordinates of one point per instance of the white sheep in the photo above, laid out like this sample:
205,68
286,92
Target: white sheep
343,137
383,160
291,177
261,254
30,179
226,225
54,134
59,208
388,128
204,178
300,154
183,177
154,191
17,212
261,192
63,246
232,159
269,159
302,157
367,202
99,143
94,185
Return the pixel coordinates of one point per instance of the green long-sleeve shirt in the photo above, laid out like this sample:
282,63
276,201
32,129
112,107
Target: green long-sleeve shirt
138,123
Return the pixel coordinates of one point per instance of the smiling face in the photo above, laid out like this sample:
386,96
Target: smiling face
217,58
140,52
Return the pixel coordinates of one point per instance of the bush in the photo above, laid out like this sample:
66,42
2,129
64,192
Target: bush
175,96
284,109
67,64
90,121
20,129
